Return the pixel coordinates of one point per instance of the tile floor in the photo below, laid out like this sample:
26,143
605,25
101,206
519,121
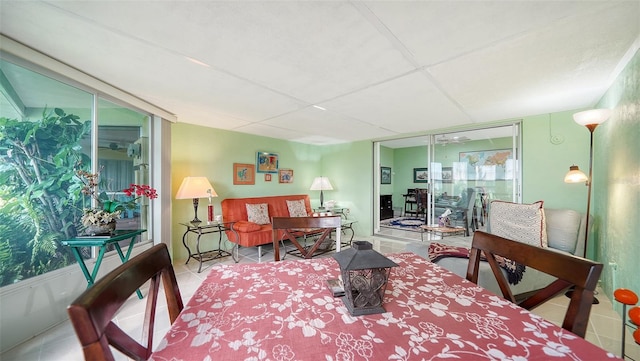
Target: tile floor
60,343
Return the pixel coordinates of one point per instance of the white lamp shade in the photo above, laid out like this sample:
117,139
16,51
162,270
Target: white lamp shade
575,175
195,187
321,184
593,116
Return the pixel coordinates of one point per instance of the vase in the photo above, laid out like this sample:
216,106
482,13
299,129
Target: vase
101,229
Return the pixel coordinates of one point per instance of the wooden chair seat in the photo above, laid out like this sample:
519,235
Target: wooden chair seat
91,314
570,271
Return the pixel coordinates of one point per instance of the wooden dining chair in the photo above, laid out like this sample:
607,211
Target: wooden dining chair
92,312
570,271
292,228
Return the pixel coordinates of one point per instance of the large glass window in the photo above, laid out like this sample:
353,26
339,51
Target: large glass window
49,130
123,160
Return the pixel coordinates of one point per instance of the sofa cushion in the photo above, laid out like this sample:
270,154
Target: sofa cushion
520,222
297,208
258,213
246,226
563,228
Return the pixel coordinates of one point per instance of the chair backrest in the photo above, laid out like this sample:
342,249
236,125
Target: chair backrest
570,270
293,227
421,199
92,312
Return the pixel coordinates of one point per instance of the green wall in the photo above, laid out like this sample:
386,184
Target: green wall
349,167
551,144
208,152
616,183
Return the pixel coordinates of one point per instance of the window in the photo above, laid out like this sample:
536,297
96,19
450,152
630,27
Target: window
46,133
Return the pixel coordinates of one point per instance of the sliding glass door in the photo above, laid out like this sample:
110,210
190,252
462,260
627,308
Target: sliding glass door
461,172
470,169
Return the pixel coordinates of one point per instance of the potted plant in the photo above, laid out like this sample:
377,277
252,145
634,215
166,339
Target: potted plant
101,220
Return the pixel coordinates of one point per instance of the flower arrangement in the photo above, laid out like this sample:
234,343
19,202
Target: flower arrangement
108,209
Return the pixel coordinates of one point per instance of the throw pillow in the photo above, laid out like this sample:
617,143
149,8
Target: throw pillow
297,208
258,213
519,222
563,229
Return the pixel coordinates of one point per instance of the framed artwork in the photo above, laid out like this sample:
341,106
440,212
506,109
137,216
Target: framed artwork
447,174
267,162
420,175
285,175
244,174
496,164
385,175
267,177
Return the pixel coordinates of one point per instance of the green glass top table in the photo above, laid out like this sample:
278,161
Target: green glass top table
102,242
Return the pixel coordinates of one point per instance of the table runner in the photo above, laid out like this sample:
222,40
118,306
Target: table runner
284,311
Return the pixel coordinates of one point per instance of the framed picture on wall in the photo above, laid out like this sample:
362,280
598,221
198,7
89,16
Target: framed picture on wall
244,174
385,175
285,175
420,175
267,162
447,174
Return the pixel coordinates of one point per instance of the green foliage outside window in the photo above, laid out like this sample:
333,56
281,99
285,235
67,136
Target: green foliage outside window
39,196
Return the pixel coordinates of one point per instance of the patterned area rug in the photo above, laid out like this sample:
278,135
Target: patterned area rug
404,223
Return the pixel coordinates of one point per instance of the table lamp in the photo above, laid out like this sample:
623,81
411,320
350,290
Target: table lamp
195,188
321,184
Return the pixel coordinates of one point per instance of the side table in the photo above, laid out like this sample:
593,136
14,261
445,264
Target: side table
342,211
207,228
347,224
102,242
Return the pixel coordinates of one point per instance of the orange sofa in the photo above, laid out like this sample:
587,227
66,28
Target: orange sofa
251,234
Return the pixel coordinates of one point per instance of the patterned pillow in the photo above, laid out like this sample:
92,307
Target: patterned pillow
297,208
519,222
258,213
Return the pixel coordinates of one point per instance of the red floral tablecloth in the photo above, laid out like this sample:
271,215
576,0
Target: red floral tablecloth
284,311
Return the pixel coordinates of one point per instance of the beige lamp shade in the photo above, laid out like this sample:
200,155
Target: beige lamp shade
592,117
575,175
321,184
195,187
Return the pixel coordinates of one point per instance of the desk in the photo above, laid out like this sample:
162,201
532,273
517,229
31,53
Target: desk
207,228
285,311
102,242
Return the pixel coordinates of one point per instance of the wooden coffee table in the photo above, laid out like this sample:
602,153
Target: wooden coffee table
441,231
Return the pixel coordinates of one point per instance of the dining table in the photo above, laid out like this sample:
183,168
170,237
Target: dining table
285,311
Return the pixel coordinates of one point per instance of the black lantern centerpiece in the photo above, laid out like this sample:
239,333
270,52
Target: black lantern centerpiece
365,273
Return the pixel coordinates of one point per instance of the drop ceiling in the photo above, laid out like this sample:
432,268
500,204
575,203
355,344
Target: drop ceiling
322,72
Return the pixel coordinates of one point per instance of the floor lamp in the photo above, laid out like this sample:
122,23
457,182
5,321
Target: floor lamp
590,119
